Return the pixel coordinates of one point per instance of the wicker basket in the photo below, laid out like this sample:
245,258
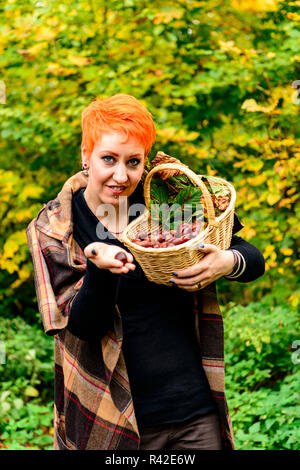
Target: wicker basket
158,264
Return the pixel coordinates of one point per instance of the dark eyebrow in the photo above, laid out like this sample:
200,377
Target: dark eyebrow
116,155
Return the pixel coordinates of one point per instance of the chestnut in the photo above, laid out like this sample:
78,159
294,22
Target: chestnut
142,235
178,241
121,257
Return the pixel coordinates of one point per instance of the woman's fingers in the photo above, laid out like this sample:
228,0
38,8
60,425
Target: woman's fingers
103,255
123,269
188,282
191,281
195,287
191,284
130,266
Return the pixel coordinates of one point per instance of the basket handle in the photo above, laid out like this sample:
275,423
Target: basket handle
195,178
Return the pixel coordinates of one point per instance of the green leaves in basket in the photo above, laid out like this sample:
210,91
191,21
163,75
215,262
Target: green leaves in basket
214,186
177,199
188,194
160,213
170,210
175,183
159,192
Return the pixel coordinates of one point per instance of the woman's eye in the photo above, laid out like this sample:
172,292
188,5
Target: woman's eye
134,161
107,156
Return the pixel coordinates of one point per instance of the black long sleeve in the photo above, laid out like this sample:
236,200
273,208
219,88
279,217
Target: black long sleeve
91,314
255,262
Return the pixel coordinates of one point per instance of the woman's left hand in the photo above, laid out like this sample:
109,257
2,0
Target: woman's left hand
215,264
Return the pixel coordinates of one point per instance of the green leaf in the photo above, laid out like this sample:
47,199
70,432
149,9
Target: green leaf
18,403
215,187
31,391
5,407
183,195
159,193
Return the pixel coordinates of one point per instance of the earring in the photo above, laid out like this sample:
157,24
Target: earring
85,168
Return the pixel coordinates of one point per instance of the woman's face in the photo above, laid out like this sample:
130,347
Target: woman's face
114,164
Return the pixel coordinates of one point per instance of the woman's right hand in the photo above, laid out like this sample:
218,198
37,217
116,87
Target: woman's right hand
104,257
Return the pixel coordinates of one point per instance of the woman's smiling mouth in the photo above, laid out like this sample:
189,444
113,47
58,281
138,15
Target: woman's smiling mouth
117,189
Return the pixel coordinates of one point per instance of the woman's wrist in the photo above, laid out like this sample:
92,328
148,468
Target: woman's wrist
239,265
229,262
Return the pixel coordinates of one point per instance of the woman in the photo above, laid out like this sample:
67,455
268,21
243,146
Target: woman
137,365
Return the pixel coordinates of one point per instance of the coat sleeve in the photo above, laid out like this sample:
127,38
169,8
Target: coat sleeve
56,283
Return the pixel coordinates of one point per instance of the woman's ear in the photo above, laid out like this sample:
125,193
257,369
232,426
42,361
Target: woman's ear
84,156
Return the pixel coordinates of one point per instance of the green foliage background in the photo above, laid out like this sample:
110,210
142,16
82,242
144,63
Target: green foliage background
217,77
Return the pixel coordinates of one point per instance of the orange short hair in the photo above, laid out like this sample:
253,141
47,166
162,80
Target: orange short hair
119,112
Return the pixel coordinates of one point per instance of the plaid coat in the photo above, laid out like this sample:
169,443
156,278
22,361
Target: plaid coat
93,406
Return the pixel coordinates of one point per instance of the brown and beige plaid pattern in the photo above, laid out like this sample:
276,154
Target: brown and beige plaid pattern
93,406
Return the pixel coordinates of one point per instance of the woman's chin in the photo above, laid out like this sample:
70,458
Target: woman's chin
115,201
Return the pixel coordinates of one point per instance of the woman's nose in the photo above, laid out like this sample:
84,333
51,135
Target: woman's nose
120,175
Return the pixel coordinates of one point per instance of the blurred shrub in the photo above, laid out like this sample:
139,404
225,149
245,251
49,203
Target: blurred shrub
26,388
267,419
262,379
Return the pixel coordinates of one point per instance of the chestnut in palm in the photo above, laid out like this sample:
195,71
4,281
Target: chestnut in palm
121,257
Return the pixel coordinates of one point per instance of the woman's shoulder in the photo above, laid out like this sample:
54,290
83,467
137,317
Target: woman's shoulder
55,217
